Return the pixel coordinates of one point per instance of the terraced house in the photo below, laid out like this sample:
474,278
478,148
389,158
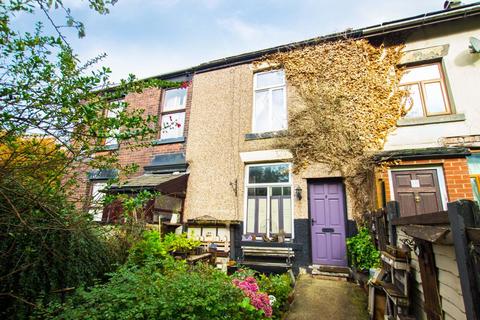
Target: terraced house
161,164
224,175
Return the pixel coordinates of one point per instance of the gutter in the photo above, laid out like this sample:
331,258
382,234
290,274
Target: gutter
423,20
368,32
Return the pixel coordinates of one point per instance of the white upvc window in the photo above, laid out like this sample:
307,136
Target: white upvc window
173,113
117,107
269,106
96,199
268,199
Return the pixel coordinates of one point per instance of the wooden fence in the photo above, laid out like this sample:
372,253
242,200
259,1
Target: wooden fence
443,261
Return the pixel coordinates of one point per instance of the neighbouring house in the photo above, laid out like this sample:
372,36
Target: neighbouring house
438,145
242,189
162,165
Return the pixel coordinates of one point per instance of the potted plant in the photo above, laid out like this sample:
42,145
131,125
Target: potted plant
363,254
180,245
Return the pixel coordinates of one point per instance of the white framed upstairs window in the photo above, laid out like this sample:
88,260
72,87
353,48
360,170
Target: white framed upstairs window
427,90
173,113
269,102
268,200
112,139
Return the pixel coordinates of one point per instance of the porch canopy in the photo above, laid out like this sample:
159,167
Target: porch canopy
172,188
168,184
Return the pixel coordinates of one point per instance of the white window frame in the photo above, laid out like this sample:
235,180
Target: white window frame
268,185
93,206
164,100
166,113
441,181
113,141
270,90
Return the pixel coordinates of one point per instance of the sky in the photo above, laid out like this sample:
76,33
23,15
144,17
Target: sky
151,37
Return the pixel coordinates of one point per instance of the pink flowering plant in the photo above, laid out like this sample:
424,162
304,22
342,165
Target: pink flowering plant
266,295
253,297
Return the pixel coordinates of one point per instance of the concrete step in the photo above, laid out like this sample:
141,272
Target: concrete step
330,272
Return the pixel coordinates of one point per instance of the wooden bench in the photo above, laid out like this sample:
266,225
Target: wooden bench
285,254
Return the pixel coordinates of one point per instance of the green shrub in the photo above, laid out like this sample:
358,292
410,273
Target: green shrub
280,287
154,285
56,248
201,292
243,272
149,248
180,242
362,251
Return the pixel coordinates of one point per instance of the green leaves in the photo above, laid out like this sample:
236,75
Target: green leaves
151,293
55,114
362,251
180,242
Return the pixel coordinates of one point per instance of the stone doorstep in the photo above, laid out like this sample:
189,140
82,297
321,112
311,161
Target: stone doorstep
330,272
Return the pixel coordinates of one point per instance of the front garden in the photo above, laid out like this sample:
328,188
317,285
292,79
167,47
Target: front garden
152,284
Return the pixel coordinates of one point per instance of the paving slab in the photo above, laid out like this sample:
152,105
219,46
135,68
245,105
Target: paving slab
318,299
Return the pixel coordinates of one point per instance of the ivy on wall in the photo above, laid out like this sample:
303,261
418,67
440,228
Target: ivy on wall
349,101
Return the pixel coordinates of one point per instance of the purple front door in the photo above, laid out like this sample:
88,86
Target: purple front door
327,213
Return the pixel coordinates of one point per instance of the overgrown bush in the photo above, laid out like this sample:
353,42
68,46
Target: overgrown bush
362,251
147,293
47,247
153,285
149,249
280,286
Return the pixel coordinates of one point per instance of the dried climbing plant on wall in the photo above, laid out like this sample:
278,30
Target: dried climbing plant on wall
349,102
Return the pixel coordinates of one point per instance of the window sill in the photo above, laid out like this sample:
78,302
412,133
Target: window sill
405,122
265,135
168,141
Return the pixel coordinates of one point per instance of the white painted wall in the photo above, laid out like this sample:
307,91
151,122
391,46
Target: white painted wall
462,70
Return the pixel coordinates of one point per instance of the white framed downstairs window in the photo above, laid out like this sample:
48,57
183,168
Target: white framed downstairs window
269,102
96,199
268,200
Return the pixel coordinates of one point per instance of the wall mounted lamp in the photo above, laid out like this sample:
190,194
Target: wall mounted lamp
298,193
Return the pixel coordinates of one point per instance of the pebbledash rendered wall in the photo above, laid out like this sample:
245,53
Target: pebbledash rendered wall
222,106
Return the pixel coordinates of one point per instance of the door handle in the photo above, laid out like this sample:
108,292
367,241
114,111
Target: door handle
417,198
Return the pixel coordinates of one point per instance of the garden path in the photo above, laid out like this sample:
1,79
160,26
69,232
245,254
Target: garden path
319,299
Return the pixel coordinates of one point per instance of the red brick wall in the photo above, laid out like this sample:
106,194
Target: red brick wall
456,174
150,100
